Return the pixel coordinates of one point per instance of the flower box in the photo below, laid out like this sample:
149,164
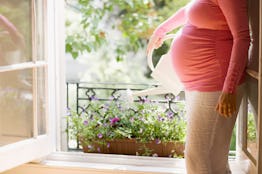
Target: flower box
118,128
132,147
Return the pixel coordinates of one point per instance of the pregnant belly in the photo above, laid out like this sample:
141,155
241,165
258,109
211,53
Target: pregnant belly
199,58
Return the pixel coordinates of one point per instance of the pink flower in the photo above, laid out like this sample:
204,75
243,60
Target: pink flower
100,136
113,121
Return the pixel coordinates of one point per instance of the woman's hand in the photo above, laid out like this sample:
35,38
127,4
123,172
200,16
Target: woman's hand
154,42
226,105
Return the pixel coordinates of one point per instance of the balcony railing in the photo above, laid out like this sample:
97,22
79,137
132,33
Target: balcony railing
80,94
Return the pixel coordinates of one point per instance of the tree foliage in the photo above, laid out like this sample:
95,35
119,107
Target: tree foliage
134,19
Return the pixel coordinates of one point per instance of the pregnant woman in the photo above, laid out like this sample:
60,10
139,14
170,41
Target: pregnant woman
209,56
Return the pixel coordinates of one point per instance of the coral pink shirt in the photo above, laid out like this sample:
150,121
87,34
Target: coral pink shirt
211,52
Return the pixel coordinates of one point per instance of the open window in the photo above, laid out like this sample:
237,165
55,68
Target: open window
25,81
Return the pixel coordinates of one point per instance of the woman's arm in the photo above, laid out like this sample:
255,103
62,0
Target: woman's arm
15,35
7,25
235,12
176,20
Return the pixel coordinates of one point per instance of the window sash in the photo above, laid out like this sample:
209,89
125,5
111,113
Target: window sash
40,145
21,66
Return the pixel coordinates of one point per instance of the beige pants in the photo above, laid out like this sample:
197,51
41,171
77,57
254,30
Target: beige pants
208,133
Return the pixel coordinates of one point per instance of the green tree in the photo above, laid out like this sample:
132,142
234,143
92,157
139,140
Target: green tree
134,19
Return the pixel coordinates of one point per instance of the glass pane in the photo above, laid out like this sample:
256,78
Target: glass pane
15,31
252,116
16,106
40,27
41,100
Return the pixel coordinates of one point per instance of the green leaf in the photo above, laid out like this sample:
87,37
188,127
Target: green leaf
119,58
68,47
74,54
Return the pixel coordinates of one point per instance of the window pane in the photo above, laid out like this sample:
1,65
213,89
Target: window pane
16,106
15,31
40,28
42,100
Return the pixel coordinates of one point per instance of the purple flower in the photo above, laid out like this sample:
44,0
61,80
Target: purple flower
98,149
108,145
100,136
144,100
93,98
158,141
85,122
113,121
170,115
132,119
161,118
177,98
68,112
111,98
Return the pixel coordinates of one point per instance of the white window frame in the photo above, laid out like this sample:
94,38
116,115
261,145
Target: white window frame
40,146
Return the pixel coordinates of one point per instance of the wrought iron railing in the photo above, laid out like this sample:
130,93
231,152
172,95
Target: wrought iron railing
80,94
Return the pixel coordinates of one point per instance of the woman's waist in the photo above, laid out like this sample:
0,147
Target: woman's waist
194,32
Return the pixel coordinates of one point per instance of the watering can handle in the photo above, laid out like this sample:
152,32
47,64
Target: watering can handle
150,53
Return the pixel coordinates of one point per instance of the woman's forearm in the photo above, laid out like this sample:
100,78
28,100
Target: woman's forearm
14,34
176,20
7,25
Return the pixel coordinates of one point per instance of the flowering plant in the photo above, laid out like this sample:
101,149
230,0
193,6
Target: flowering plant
143,121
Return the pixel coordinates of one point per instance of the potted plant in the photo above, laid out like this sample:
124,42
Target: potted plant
143,128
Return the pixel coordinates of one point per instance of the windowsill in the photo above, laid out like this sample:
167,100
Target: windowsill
116,162
79,163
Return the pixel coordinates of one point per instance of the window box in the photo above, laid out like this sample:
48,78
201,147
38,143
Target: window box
133,147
